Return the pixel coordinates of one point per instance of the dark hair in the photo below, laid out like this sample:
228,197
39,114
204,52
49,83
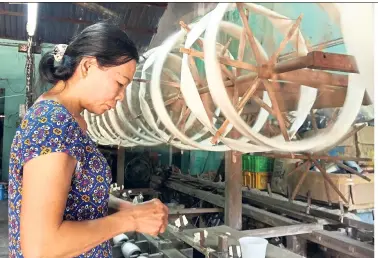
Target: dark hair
109,44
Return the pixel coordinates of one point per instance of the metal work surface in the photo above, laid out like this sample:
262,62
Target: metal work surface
233,236
330,239
282,204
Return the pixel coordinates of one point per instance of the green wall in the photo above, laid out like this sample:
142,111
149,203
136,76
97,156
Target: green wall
12,68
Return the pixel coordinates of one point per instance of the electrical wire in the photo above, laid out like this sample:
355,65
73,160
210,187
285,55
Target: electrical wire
10,88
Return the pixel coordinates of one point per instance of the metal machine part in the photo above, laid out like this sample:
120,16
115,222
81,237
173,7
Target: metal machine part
120,239
130,250
287,219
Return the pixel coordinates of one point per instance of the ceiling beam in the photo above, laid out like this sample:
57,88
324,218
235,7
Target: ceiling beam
157,4
99,9
77,21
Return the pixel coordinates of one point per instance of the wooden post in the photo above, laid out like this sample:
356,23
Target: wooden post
170,155
121,166
297,245
233,205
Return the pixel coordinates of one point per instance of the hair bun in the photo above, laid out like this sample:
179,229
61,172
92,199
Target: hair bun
51,71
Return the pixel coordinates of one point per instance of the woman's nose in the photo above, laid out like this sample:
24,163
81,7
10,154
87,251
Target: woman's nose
121,95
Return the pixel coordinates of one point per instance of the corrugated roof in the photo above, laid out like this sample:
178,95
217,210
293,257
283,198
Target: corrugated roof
59,22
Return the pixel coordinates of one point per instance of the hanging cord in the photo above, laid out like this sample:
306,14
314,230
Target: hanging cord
29,73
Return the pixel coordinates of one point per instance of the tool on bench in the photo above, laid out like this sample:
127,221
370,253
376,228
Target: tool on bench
223,246
341,212
200,237
308,202
234,251
181,222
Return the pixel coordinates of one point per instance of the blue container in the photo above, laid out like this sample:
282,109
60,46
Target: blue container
3,193
366,216
337,151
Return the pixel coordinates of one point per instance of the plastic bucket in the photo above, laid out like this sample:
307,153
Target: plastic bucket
253,247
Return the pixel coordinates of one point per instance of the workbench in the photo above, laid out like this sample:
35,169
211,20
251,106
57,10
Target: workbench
233,236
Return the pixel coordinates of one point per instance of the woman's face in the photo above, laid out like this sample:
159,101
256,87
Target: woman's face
104,86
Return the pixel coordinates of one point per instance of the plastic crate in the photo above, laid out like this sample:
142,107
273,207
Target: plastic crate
261,180
245,165
248,179
251,163
258,180
247,162
257,163
262,164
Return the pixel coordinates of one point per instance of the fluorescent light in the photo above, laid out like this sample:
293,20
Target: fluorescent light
32,18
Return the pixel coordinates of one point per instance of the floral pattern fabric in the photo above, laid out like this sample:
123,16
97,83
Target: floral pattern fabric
46,128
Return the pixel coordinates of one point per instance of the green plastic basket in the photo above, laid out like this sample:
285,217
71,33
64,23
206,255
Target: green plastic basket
262,164
245,162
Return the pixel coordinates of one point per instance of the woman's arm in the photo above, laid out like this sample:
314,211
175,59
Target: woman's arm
118,204
46,183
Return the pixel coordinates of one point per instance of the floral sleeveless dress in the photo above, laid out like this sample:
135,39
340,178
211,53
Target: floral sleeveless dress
49,127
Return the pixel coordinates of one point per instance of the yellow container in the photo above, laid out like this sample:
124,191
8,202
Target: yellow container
258,180
261,180
248,179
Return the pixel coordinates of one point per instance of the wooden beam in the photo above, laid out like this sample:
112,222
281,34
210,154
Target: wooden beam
249,33
239,108
342,243
319,60
281,231
233,195
314,156
302,178
222,60
276,109
297,245
289,35
314,78
333,62
328,180
317,47
351,170
290,71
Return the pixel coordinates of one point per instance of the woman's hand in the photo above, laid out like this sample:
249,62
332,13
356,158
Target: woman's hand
150,217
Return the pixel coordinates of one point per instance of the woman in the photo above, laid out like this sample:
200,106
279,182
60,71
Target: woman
59,181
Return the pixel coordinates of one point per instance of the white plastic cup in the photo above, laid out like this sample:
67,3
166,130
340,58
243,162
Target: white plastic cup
253,247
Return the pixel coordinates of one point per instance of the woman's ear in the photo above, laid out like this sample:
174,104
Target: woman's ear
85,65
